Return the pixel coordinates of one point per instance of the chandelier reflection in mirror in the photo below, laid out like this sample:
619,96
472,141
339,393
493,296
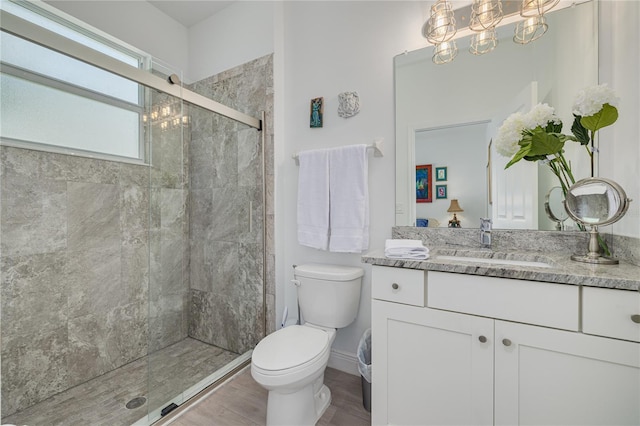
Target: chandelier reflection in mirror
445,52
440,28
167,115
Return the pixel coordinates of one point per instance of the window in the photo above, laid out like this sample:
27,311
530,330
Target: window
51,101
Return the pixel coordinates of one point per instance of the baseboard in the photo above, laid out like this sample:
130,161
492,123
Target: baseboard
344,361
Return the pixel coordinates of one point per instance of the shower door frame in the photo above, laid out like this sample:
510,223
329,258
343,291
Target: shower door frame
31,32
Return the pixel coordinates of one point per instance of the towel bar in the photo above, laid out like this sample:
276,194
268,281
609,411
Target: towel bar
376,146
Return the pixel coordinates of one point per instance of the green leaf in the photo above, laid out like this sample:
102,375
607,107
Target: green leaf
579,131
605,117
552,127
535,157
545,144
524,151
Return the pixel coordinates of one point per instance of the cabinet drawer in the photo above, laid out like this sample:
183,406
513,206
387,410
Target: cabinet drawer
538,303
611,313
398,285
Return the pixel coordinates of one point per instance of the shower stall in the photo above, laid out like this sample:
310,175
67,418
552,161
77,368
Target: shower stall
134,227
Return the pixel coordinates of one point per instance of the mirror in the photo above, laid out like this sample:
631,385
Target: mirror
446,116
595,202
554,207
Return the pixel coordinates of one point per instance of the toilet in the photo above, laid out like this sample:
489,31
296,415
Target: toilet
290,362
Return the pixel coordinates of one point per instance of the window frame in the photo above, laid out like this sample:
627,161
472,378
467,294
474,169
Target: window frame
143,60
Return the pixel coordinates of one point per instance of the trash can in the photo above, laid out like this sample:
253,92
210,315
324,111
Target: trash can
364,367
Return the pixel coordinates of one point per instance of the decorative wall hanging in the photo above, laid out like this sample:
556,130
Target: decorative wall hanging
348,104
441,173
441,192
316,113
423,184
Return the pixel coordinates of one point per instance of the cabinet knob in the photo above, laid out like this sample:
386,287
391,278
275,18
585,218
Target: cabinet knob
395,286
506,342
482,339
635,318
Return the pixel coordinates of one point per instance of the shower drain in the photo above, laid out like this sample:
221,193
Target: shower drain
136,402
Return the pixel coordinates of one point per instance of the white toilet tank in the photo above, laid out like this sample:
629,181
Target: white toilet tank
329,295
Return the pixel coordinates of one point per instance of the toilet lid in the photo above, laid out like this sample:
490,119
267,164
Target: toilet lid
289,347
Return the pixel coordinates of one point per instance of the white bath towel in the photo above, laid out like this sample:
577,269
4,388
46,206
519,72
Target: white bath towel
349,195
405,249
313,198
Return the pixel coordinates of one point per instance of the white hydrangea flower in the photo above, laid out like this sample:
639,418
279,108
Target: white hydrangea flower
590,100
509,134
541,115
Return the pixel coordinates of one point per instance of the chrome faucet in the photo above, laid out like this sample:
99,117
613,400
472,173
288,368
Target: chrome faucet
485,232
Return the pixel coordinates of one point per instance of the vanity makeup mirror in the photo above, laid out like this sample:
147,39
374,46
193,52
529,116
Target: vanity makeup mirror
596,202
554,207
447,115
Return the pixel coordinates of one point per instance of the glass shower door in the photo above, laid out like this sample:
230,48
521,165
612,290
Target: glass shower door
206,310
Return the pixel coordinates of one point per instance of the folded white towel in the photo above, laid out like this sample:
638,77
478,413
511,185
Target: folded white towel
313,199
405,249
349,195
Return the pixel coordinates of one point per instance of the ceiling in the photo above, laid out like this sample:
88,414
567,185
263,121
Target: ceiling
189,12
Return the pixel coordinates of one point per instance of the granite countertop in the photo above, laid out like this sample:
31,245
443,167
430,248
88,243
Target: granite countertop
562,270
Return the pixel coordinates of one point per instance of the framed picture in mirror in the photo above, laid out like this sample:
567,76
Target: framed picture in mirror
424,184
441,192
441,173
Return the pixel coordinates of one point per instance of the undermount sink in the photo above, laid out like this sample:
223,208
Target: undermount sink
494,261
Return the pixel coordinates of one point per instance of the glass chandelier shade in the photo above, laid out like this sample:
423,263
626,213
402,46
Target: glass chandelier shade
530,29
483,42
444,52
532,8
441,25
485,14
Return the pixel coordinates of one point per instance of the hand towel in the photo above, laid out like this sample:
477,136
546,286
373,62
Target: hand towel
405,249
313,199
349,195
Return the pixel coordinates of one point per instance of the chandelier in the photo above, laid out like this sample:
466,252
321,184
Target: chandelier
485,15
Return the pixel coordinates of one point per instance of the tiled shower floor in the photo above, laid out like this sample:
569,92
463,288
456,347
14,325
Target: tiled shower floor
101,401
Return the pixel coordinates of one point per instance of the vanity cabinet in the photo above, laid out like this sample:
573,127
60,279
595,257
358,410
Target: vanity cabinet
483,350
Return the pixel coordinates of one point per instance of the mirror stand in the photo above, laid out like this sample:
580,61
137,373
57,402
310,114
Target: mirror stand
594,255
593,202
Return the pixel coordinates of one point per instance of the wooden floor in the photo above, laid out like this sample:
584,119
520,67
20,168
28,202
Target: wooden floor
242,401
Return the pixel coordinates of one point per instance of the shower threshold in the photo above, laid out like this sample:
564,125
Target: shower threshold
173,374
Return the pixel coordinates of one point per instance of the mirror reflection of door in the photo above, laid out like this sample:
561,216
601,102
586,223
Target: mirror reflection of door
514,197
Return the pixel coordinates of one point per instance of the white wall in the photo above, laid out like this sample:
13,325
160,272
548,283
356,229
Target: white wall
620,68
331,47
236,35
137,23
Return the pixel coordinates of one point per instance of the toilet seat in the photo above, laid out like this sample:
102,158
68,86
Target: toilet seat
290,349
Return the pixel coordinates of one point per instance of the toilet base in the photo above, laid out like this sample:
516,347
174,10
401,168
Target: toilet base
301,408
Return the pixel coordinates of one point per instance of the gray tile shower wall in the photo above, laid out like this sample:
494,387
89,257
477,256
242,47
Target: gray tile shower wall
226,263
75,237
73,293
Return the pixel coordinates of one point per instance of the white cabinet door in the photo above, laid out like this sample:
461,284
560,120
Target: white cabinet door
430,367
552,377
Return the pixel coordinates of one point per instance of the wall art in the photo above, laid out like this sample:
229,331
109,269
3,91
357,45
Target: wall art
317,112
423,184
